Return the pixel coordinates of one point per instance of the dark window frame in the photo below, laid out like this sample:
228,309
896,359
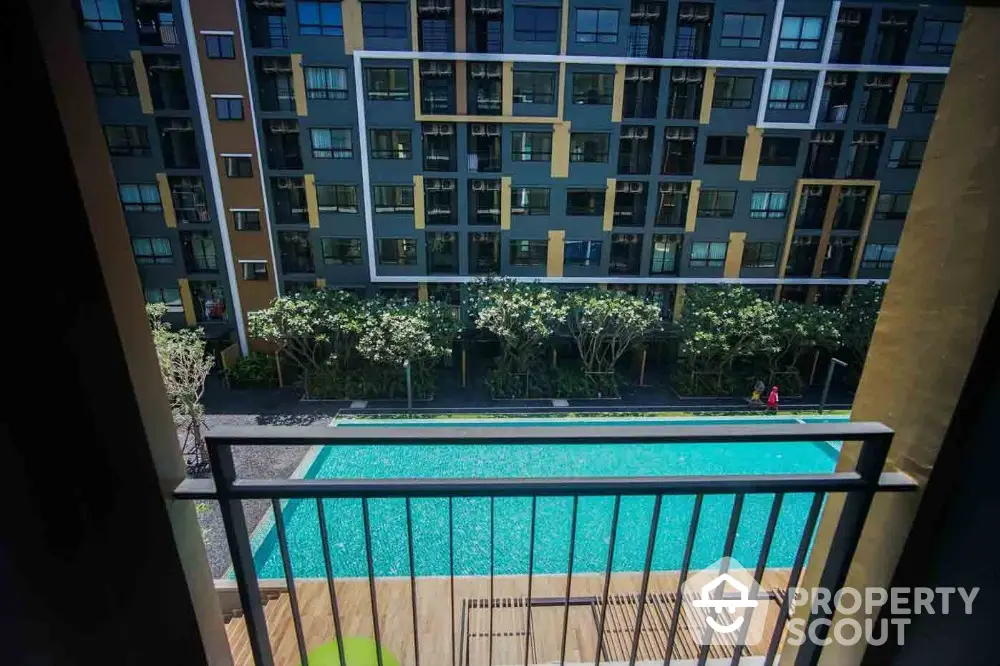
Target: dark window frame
769,157
136,141
603,88
532,155
238,166
405,251
761,254
93,18
529,209
741,39
142,204
375,20
327,91
597,35
770,210
525,252
120,77
907,160
523,32
250,270
220,47
878,261
933,43
663,267
329,23
529,94
709,261
890,212
342,195
732,100
595,196
350,253
246,220
917,101
797,100
392,93
224,108
722,149
151,257
587,260
334,153
798,42
398,201
599,157
406,153
712,203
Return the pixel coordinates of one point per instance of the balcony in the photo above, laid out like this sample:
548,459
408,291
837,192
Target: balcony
390,588
268,25
155,24
485,26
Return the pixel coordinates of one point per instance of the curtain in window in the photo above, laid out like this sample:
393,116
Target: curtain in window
781,89
129,195
149,194
322,139
717,252
326,78
161,247
699,252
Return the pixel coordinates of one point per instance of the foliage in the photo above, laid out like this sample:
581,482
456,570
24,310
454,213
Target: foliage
258,370
720,325
859,315
605,324
184,367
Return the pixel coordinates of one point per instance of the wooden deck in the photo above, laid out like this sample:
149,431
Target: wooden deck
471,645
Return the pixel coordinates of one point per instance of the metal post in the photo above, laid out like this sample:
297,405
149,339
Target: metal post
409,385
834,362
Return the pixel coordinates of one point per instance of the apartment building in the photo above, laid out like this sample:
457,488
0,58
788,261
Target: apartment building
266,146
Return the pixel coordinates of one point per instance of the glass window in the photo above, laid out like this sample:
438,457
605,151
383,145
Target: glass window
152,251
531,146
906,154
939,37
296,252
320,18
530,201
246,220
768,205
800,32
384,19
167,295
534,87
113,79
228,108
922,97
127,140
585,202
779,151
724,149
664,255
209,300
383,83
190,202
742,30
101,15
733,92
582,253
717,203
588,147
878,255
220,47
789,94
331,144
393,198
705,255
391,145
238,167
597,26
326,82
536,24
893,205
399,251
337,198
254,270
760,255
528,252
140,198
341,251
593,88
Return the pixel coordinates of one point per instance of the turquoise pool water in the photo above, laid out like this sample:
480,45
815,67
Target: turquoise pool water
552,528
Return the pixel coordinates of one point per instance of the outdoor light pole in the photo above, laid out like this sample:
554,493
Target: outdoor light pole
834,362
409,386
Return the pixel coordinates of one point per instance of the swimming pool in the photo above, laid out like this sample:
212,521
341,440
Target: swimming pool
512,516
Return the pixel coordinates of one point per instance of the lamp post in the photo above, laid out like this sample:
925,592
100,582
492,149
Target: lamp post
834,362
409,386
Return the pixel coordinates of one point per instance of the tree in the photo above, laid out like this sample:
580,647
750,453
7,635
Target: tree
859,314
605,324
796,330
184,367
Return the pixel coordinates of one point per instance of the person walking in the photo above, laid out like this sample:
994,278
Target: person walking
758,392
772,400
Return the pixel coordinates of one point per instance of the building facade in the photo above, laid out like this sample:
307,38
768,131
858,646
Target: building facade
267,146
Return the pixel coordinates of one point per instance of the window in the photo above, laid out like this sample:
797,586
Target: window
906,154
779,151
127,140
393,198
254,271
331,144
742,30
177,141
167,295
800,32
922,97
529,201
320,18
597,26
442,252
788,94
717,203
704,255
484,253
663,259
672,208
593,88
584,202
768,205
400,251
534,87
101,15
391,144
528,252
582,253
113,79
678,150
341,251
586,147
760,255
326,82
893,205
384,19
237,166
296,252
220,47
228,108
246,220
143,198
939,37
383,83
532,146
724,149
536,24
199,251
337,198
152,251
209,300
878,255
733,92
190,203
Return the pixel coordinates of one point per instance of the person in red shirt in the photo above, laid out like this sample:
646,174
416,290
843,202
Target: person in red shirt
772,400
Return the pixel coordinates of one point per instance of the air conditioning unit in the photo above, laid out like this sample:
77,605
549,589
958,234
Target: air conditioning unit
680,134
673,188
478,130
635,133
836,80
823,137
813,191
478,186
492,130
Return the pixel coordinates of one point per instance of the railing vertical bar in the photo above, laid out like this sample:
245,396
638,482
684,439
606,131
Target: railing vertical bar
238,537
371,579
569,580
685,567
793,577
531,566
293,598
654,524
413,581
334,607
607,579
451,570
727,551
758,574
492,521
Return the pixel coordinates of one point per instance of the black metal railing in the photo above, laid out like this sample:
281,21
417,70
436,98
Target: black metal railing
858,485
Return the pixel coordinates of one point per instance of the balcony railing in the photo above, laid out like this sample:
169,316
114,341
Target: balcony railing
449,616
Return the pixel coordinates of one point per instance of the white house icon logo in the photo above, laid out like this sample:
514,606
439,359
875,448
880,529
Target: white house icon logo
719,604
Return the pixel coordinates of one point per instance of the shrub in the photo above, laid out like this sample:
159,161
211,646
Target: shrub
258,370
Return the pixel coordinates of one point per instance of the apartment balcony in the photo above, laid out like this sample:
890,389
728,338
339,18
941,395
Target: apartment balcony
155,23
409,566
268,25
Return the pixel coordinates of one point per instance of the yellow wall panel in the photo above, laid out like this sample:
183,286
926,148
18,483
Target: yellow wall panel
560,150
505,202
734,254
422,295
609,205
166,200
618,96
751,153
507,89
897,101
419,215
312,202
707,93
187,302
299,85
354,38
141,82
692,211
555,253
